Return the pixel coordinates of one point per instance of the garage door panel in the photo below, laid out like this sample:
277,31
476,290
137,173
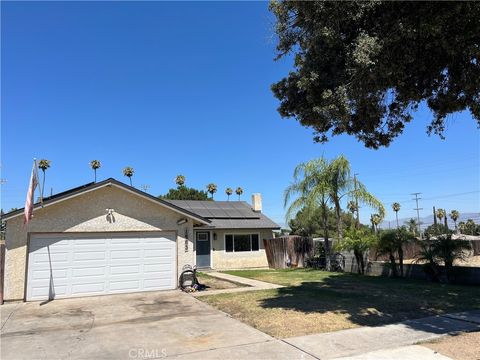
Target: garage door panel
124,269
88,255
63,266
87,289
88,271
125,254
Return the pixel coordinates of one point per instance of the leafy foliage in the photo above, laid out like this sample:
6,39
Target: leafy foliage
95,164
44,164
363,67
185,193
180,180
212,189
358,241
239,192
128,172
228,191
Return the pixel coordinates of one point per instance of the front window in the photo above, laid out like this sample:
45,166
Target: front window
241,242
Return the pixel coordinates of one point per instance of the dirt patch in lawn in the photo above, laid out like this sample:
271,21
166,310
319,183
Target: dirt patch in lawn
315,301
464,346
213,283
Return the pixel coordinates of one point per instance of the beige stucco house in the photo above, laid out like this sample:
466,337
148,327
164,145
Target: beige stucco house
108,237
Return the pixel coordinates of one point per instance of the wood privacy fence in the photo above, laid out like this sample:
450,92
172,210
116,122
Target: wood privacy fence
282,249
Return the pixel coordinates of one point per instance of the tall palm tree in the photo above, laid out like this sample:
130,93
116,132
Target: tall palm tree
128,172
310,186
43,165
396,208
229,192
212,188
440,213
342,185
239,192
454,215
376,219
180,180
95,164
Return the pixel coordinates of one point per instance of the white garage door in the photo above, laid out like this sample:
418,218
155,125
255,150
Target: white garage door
62,265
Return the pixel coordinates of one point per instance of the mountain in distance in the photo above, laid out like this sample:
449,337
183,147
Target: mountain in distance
426,221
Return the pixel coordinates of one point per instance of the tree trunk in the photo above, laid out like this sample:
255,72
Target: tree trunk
338,215
328,264
396,215
43,183
393,264
358,260
400,259
95,172
130,178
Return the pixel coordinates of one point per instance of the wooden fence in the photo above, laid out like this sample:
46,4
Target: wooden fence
284,250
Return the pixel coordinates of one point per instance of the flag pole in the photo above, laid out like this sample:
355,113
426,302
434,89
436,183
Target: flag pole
39,187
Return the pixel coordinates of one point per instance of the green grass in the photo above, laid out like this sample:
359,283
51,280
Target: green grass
317,301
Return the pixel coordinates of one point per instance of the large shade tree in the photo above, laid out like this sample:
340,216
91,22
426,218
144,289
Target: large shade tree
363,67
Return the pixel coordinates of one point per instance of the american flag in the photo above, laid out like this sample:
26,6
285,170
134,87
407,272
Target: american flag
31,193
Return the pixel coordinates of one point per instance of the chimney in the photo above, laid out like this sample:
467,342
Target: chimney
257,202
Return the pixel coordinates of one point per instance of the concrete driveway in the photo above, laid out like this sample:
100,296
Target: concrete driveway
134,326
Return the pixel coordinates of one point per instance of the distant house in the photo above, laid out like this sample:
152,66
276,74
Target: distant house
108,237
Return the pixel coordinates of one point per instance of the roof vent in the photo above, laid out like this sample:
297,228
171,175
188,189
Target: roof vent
257,202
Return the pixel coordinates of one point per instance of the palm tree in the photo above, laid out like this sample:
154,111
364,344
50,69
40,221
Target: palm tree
128,172
396,208
212,189
229,192
310,185
376,219
412,226
461,227
43,165
95,164
454,215
341,184
180,180
352,207
440,213
449,251
239,192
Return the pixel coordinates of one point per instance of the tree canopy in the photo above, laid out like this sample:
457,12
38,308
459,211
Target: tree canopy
185,193
363,67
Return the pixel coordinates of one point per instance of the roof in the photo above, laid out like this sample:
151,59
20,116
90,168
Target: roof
47,201
227,214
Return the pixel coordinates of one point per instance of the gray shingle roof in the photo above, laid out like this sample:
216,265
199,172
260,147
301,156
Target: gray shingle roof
227,214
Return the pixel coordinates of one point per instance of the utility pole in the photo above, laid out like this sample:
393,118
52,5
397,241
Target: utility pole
357,221
418,213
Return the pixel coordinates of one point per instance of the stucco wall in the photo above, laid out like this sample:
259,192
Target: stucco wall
86,213
238,260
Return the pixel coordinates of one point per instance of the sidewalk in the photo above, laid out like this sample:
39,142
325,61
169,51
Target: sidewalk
250,285
387,342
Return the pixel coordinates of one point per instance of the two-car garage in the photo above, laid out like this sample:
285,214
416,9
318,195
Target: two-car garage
69,265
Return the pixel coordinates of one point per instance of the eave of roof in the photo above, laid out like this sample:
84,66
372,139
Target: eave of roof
94,186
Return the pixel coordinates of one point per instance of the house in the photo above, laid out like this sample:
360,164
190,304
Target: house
108,237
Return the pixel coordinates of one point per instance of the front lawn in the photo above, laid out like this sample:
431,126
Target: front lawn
317,301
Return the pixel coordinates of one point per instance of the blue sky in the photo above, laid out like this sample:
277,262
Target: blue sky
184,88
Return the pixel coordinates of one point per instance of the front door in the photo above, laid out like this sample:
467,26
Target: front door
203,249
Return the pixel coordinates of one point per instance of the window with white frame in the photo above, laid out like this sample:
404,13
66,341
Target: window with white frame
241,242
